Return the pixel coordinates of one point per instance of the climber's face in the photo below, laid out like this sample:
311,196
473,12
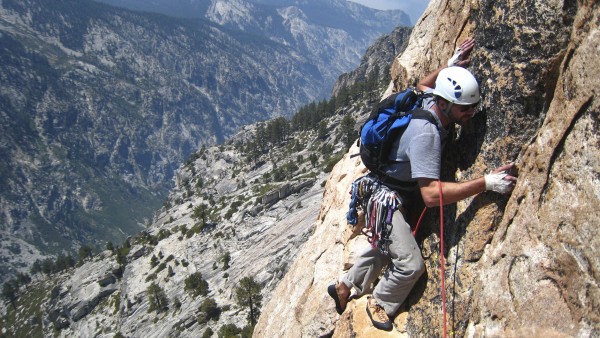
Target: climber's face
461,114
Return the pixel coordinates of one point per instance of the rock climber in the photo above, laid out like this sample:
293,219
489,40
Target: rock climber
417,155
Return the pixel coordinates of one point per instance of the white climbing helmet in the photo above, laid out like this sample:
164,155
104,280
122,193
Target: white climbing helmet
457,85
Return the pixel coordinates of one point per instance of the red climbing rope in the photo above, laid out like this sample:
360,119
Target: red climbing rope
442,263
443,275
414,232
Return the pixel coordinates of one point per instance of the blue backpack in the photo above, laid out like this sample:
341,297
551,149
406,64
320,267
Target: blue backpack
387,121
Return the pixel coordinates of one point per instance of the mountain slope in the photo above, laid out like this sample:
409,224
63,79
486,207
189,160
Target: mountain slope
99,105
240,209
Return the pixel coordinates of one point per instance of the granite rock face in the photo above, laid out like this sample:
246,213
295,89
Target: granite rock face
521,266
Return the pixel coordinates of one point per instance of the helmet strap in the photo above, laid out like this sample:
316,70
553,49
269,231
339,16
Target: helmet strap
446,111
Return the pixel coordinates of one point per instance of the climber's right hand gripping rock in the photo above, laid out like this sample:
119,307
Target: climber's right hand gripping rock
500,180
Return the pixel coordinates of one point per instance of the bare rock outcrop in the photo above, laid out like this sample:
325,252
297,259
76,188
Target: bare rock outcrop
80,294
299,306
524,266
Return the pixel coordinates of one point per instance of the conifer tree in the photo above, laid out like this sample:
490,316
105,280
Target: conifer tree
196,284
347,132
248,295
322,131
36,267
209,310
200,213
10,291
84,252
225,258
23,279
48,266
157,298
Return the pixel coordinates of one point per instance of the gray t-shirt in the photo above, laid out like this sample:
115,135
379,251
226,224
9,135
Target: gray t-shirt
418,152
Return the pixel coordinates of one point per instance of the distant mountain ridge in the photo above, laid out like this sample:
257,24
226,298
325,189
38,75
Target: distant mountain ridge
329,30
99,105
318,12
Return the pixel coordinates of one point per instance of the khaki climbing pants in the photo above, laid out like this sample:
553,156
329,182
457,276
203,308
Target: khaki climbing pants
403,266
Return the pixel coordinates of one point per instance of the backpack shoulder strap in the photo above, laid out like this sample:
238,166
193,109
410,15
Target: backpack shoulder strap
424,115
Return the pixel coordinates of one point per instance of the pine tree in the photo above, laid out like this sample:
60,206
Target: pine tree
209,310
85,251
36,267
196,284
153,261
157,298
23,279
208,333
248,295
64,262
10,291
347,132
48,266
322,131
200,213
229,331
225,259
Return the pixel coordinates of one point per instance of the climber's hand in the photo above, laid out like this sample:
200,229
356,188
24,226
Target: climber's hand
461,56
501,179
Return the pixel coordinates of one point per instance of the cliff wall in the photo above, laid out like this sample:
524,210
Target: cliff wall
526,265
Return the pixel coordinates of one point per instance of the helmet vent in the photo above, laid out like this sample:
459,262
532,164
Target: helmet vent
457,88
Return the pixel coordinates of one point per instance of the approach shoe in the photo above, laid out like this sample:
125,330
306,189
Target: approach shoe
340,302
378,316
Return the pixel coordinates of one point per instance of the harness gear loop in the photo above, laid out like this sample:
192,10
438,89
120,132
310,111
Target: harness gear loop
378,215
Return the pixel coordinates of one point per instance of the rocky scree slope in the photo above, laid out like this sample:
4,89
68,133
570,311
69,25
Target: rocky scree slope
526,265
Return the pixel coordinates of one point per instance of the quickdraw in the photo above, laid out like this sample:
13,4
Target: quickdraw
379,203
361,191
378,215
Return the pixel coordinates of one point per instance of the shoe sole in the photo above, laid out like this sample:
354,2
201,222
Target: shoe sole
379,325
333,294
